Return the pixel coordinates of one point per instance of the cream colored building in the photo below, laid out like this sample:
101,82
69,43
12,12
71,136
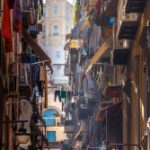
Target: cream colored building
58,22
52,115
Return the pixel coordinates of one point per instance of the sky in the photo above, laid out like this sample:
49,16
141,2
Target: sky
71,1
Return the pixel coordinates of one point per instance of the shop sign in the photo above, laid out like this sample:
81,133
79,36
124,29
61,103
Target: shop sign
76,43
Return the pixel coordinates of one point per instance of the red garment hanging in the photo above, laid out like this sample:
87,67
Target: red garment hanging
6,27
11,4
98,7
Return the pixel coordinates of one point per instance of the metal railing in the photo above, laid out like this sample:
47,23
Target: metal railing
114,146
27,5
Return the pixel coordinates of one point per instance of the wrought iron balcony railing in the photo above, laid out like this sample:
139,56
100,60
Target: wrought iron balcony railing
27,5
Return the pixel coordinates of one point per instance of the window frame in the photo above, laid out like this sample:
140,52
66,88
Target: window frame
55,9
51,133
58,54
55,30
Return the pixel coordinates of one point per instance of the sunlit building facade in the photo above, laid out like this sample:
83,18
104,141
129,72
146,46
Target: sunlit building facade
57,23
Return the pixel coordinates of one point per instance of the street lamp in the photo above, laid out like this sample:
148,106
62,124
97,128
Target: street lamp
22,136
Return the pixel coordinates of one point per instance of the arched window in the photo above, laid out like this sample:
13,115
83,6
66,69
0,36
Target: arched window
49,117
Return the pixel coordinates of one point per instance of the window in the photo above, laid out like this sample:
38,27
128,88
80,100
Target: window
58,54
44,29
55,9
49,117
51,136
57,69
44,12
55,31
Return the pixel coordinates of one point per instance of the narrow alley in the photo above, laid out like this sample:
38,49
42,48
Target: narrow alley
75,74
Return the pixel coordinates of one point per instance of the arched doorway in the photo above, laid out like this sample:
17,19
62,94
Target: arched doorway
51,118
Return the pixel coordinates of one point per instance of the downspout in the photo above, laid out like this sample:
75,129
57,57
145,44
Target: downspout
114,69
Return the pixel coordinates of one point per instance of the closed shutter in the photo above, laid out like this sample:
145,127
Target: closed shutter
51,136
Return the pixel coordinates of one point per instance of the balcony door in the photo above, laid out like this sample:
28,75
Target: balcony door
51,136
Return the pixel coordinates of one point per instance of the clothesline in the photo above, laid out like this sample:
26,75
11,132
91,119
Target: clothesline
39,62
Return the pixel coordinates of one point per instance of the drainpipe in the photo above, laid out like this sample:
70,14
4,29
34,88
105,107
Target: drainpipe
114,69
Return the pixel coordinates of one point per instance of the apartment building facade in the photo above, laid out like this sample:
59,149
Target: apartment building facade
120,70
20,118
58,22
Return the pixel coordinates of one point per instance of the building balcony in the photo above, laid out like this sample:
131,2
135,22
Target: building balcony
36,49
33,31
120,56
111,7
127,23
28,12
91,97
115,91
128,30
69,126
37,132
109,109
27,5
25,90
84,111
104,20
101,73
82,55
135,6
55,145
106,12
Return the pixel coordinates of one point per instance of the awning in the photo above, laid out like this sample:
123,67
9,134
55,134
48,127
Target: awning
108,110
135,6
37,49
99,53
114,91
128,30
120,56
